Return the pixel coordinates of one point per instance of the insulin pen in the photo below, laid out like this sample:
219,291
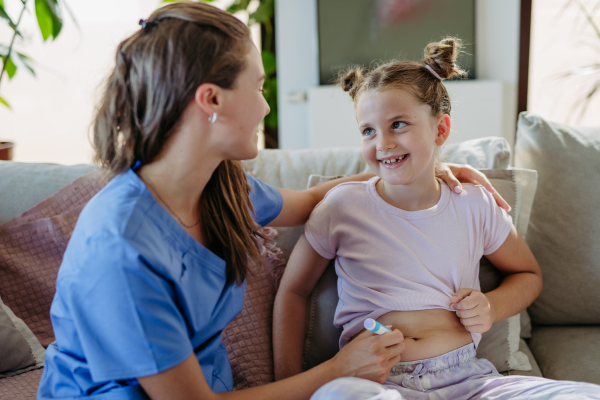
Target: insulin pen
376,327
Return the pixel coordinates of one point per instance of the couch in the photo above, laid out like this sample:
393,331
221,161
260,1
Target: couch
557,337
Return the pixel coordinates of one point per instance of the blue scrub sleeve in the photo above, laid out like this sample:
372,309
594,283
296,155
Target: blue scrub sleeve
266,199
125,312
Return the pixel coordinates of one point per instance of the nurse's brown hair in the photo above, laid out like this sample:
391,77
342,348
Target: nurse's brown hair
410,76
157,71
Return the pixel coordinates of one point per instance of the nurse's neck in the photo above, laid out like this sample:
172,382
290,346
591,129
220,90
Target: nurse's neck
183,167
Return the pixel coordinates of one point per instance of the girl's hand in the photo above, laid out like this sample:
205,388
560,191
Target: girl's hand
473,309
370,356
453,174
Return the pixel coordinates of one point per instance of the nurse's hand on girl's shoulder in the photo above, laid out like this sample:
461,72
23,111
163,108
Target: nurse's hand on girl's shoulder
474,310
453,174
370,356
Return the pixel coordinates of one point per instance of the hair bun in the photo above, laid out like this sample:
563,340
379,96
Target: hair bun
442,55
350,80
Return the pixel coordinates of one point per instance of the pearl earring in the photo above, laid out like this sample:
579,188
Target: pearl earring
213,118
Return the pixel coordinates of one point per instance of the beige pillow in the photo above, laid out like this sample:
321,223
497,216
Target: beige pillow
20,351
564,227
500,345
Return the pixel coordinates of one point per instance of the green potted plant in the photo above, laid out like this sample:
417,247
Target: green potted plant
49,18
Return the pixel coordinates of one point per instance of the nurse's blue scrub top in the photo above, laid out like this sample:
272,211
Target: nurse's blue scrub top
137,295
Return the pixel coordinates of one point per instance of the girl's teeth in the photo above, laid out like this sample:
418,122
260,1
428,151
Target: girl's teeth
393,160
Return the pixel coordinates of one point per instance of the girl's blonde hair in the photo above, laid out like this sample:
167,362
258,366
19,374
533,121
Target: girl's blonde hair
410,76
157,72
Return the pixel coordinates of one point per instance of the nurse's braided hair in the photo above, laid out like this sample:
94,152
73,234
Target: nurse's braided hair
158,69
424,85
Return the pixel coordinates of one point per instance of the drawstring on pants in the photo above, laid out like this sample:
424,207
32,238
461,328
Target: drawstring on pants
417,373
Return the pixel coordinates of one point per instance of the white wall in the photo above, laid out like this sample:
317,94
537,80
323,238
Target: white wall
497,57
51,113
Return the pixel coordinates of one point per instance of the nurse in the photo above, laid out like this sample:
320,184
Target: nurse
156,265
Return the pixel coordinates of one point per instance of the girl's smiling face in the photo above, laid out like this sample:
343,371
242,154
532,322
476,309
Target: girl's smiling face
400,136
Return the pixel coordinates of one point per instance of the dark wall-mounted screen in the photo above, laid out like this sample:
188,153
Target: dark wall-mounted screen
361,31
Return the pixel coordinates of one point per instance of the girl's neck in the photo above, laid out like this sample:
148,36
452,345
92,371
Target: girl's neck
414,196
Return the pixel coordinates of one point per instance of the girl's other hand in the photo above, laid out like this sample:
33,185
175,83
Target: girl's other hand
453,174
474,310
370,356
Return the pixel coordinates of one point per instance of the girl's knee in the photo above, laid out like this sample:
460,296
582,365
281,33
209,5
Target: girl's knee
350,389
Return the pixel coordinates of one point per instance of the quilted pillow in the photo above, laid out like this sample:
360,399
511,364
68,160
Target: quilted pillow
248,337
31,250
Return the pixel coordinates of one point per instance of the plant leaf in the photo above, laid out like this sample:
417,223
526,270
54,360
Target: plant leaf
269,62
238,5
49,18
10,68
22,61
5,16
57,20
5,103
44,18
264,12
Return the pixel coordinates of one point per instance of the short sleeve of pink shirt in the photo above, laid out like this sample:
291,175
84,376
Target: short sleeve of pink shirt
320,229
497,223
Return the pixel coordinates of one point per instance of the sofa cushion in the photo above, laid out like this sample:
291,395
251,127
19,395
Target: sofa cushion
21,387
43,180
567,352
564,225
20,350
31,252
248,337
500,344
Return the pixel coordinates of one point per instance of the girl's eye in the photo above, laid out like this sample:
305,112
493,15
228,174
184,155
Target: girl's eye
398,125
368,131
263,91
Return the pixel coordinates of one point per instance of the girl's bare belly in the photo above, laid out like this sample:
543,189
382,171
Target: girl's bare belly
427,333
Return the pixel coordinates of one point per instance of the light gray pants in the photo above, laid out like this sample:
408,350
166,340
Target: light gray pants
456,375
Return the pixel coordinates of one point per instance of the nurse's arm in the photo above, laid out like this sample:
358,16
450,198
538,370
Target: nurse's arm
298,204
370,357
186,382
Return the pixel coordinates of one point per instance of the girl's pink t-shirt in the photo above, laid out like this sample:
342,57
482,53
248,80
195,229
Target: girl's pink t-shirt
388,259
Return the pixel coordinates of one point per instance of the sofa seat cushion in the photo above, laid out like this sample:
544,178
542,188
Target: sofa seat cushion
21,387
567,352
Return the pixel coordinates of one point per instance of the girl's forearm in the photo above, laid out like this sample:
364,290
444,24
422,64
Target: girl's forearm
289,320
516,292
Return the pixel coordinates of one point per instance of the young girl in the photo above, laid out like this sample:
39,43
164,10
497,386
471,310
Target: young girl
407,252
156,266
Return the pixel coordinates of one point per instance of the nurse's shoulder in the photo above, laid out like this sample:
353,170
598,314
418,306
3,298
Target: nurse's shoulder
114,226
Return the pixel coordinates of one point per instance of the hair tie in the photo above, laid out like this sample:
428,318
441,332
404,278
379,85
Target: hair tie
148,26
433,72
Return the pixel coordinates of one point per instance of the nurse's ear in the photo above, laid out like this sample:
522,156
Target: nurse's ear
209,99
442,127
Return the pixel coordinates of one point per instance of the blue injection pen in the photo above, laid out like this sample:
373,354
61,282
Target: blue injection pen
376,327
